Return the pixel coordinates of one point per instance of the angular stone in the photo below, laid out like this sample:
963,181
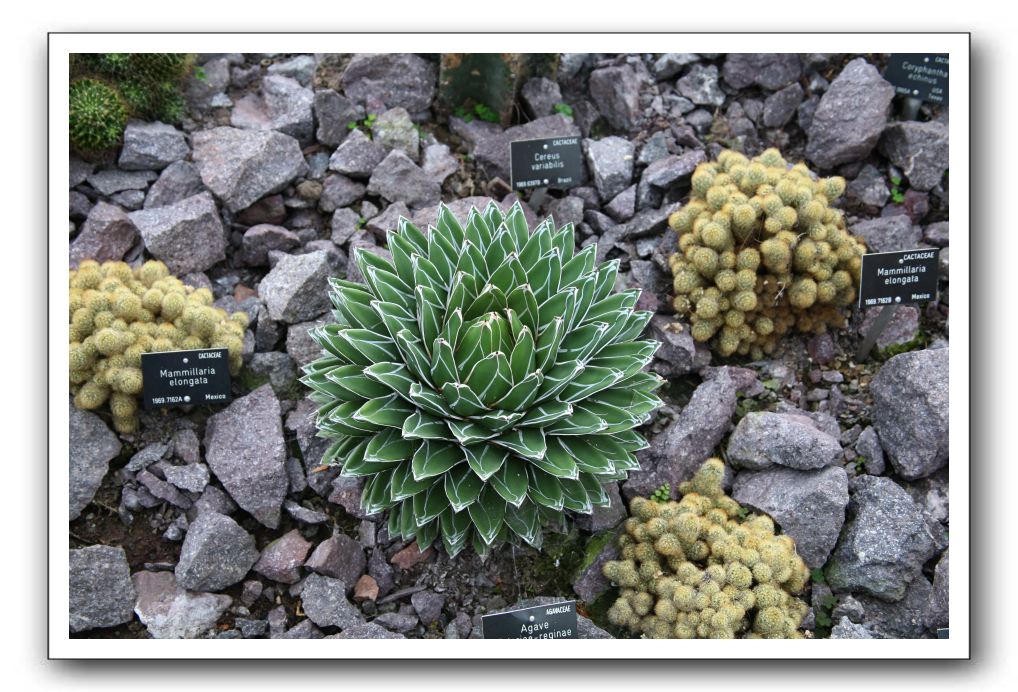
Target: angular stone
410,556
190,477
259,240
611,162
492,149
772,71
390,80
676,356
910,411
850,116
937,233
623,205
846,629
398,179
339,191
214,500
177,182
671,64
107,234
357,156
163,490
540,96
669,170
616,93
885,542
217,552
590,581
700,85
428,605
187,236
868,189
270,210
151,146
171,612
780,107
281,104
902,619
902,328
91,448
397,621
334,113
244,447
340,557
394,129
281,559
297,288
919,149
368,630
938,610
344,224
300,67
888,233
100,593
438,163
111,180
808,505
242,166
79,171
868,447
324,601
678,451
763,439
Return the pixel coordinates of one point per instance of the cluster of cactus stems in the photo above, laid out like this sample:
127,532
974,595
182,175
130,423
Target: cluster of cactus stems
108,88
762,252
696,569
117,313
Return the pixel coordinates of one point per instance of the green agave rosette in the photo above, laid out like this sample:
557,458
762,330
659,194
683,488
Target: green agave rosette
484,380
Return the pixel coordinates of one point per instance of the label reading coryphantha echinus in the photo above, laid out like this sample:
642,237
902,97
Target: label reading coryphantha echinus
556,162
894,278
554,621
919,75
183,378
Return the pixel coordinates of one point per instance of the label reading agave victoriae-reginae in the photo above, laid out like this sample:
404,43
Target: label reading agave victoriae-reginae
923,76
553,621
555,162
896,278
183,378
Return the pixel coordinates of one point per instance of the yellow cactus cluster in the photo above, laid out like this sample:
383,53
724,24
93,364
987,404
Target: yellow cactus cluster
117,313
762,251
695,569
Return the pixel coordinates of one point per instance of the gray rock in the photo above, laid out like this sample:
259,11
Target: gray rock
611,163
438,163
300,68
428,605
677,354
945,262
79,171
251,592
367,630
540,96
933,495
202,93
259,240
339,191
888,233
344,224
297,288
214,500
151,146
781,106
938,605
131,200
171,612
281,104
278,369
868,447
398,179
616,93
885,542
299,345
937,233
670,170
868,189
244,447
700,85
91,448
397,621
590,581
919,149
281,559
678,451
334,113
623,205
324,601
242,166
187,236
216,553
763,439
177,182
250,629
301,513
771,71
910,411
394,129
567,210
848,607
492,148
846,629
112,180
357,156
340,557
850,116
107,234
808,505
163,490
390,80
78,206
190,477
902,619
100,592
241,77
387,220
902,328
671,64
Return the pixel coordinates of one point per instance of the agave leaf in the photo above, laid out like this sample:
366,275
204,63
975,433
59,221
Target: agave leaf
414,356
448,225
374,496
493,214
558,378
388,411
590,381
510,482
320,382
412,234
342,420
468,432
521,395
375,347
525,522
581,422
606,276
536,247
389,446
500,248
426,535
635,325
462,400
395,515
471,261
557,461
357,464
389,288
339,448
395,318
442,254
488,300
595,491
575,497
581,342
429,316
407,525
588,458
547,412
402,251
477,230
486,513
564,240
421,426
517,223
462,486
452,328
617,301
485,459
580,267
443,364
559,306
521,360
404,484
642,382
548,342
334,340
393,375
490,378
527,442
629,441
430,401
545,277
523,302
366,261
426,274
508,276
497,420
545,489
455,531
430,504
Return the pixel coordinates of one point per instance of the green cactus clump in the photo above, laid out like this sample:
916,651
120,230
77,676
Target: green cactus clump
762,252
96,116
117,313
700,568
483,380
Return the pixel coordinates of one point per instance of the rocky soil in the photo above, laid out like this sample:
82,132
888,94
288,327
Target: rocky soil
220,522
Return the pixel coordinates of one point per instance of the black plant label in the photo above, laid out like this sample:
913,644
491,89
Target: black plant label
556,162
555,621
919,75
185,378
896,278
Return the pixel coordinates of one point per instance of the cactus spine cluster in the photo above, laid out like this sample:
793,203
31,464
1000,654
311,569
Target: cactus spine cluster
96,116
117,313
695,569
762,252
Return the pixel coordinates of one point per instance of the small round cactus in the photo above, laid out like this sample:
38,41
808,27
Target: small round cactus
96,116
698,569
